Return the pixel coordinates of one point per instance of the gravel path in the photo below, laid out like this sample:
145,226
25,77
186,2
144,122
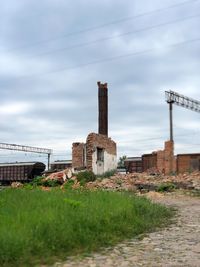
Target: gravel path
176,246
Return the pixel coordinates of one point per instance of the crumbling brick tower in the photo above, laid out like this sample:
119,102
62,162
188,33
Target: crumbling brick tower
99,153
103,108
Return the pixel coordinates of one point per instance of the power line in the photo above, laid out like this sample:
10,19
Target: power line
109,59
64,153
116,36
137,140
103,25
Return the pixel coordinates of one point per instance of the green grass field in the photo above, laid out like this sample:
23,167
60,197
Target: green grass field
38,227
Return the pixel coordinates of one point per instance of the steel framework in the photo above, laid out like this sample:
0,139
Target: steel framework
27,149
180,100
183,101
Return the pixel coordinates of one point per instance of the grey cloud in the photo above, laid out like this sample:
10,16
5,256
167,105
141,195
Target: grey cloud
64,103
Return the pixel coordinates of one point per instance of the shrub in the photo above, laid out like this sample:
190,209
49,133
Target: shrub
29,186
37,181
85,176
40,181
107,174
166,187
68,184
173,173
51,183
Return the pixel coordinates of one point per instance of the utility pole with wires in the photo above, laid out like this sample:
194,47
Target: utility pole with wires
182,101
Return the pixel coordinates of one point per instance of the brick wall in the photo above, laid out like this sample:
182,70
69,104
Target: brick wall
188,162
98,140
103,108
163,161
169,159
78,155
160,161
149,161
93,141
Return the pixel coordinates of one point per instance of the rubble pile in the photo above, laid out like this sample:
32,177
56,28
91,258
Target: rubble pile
16,185
61,176
145,181
149,181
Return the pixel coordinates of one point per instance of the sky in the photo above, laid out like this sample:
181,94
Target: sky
53,52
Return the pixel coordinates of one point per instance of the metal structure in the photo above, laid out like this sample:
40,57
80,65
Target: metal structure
182,101
27,149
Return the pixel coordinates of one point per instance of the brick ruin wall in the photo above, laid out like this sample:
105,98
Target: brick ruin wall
80,160
188,162
169,158
183,163
149,161
98,140
163,161
78,155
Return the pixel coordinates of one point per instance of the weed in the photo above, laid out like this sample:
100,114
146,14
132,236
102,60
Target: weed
107,174
119,182
85,176
68,185
173,173
72,202
193,193
51,183
37,181
29,186
166,187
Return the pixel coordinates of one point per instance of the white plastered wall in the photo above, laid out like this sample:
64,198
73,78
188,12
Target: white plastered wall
109,163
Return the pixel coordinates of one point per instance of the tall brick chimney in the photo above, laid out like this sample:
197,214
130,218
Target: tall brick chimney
103,108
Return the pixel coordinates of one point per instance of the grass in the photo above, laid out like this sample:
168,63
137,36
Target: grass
38,227
85,176
192,193
107,174
166,187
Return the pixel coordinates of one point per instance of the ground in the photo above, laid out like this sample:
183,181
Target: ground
175,246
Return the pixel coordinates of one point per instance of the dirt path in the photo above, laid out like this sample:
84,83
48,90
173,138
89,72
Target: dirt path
176,246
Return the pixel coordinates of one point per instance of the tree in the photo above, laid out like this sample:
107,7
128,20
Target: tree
121,161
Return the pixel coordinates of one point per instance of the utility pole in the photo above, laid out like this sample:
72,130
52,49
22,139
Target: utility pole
179,100
171,119
183,101
28,149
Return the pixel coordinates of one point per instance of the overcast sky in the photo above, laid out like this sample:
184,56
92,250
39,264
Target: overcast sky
53,52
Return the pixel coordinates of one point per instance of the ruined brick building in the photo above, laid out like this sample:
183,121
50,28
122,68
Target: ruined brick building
188,162
99,153
164,161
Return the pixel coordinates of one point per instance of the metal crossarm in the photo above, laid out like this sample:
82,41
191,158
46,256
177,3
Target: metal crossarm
25,148
181,100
